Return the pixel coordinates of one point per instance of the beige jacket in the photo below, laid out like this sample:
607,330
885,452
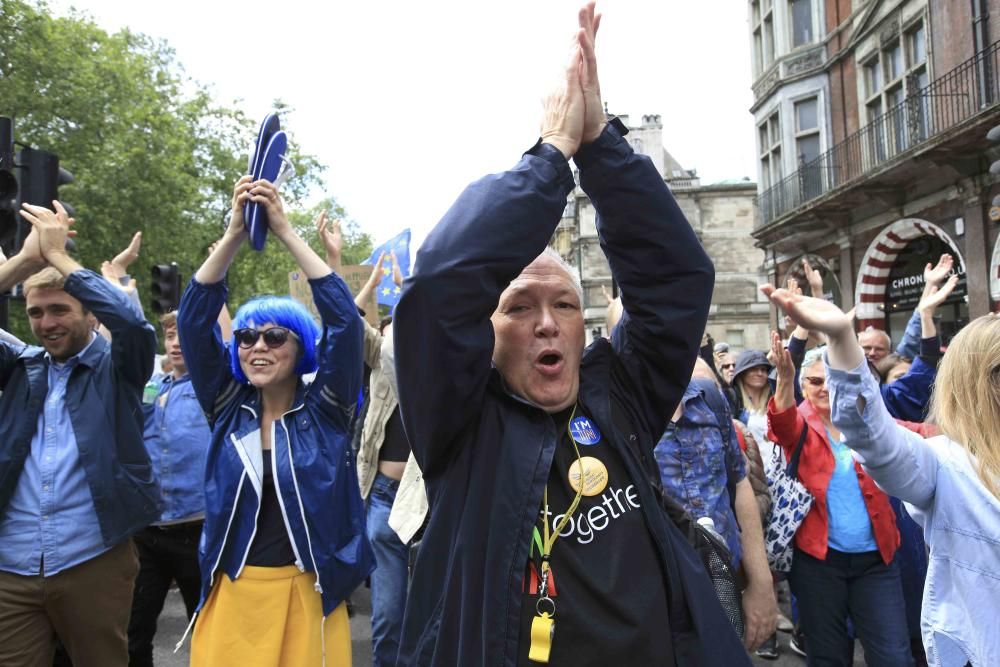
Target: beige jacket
410,506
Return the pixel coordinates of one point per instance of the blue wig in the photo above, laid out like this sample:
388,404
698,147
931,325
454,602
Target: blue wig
285,312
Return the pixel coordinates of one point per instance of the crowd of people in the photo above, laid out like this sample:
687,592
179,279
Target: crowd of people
511,496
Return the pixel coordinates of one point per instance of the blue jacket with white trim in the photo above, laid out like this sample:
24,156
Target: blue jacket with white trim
314,472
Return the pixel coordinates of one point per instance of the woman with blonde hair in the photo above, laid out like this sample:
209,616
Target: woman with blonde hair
950,483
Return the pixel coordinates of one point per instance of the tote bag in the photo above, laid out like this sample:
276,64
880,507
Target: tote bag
791,502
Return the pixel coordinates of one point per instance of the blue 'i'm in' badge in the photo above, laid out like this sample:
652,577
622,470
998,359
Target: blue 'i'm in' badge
584,431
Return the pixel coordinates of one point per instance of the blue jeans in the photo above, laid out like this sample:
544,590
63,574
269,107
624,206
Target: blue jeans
856,586
389,580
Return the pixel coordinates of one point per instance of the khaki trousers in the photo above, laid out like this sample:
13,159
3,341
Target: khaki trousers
87,606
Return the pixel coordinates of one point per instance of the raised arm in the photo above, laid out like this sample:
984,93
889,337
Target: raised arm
340,350
214,268
199,311
664,274
497,226
26,262
900,461
909,397
785,424
133,345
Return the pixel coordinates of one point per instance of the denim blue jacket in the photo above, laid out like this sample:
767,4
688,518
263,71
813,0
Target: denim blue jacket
177,436
961,519
696,462
103,398
314,472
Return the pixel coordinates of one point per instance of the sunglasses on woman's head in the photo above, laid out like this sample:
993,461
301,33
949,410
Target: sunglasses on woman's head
274,337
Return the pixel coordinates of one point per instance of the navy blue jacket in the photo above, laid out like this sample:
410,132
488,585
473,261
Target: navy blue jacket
486,454
311,456
104,401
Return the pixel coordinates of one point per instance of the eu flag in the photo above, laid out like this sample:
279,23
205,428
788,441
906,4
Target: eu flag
387,292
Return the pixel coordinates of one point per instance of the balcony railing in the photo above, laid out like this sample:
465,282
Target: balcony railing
947,101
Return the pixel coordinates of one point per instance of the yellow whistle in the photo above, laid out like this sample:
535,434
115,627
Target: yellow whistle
543,628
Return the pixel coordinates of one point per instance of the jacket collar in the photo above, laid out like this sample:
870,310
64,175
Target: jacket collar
90,355
253,403
812,417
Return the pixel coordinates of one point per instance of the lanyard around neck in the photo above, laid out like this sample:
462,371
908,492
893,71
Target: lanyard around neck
550,539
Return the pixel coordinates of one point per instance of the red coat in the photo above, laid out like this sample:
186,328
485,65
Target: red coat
815,471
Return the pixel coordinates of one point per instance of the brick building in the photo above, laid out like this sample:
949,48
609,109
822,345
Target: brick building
871,119
722,214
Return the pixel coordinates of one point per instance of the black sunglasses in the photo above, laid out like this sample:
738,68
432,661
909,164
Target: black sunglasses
274,337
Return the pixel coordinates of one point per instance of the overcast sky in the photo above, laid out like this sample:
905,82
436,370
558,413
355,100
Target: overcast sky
407,102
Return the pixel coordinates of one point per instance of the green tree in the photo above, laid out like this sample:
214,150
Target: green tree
149,148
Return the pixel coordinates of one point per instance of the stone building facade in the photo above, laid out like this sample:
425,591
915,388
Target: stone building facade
721,214
872,118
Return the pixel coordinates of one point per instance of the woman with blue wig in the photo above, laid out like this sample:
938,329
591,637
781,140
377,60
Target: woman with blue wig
284,539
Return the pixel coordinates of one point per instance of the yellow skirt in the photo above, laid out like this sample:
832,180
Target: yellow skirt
271,617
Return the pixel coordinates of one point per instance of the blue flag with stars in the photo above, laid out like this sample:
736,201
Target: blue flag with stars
387,292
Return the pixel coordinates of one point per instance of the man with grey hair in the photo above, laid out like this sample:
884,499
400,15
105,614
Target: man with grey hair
547,542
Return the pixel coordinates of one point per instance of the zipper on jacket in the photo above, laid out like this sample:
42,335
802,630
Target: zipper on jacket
298,497
229,525
277,490
256,516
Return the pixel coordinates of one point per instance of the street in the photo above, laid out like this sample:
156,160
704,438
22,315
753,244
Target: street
172,624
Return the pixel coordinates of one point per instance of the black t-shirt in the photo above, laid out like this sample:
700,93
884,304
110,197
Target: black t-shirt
395,446
271,546
605,578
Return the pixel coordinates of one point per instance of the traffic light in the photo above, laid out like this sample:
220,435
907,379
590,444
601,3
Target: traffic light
166,292
8,188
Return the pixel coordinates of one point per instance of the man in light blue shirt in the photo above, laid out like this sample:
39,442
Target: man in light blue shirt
177,438
75,479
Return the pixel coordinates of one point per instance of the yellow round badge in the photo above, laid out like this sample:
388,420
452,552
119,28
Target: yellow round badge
593,473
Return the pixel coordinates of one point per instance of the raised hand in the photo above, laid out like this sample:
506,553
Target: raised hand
594,118
241,195
814,279
123,259
781,359
111,273
935,275
934,296
331,236
809,312
264,193
376,277
563,114
52,227
397,273
31,249
607,294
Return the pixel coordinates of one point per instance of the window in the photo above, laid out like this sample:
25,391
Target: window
807,146
896,109
917,45
770,151
762,24
802,22
873,76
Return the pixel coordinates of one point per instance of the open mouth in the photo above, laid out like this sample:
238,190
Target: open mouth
549,362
